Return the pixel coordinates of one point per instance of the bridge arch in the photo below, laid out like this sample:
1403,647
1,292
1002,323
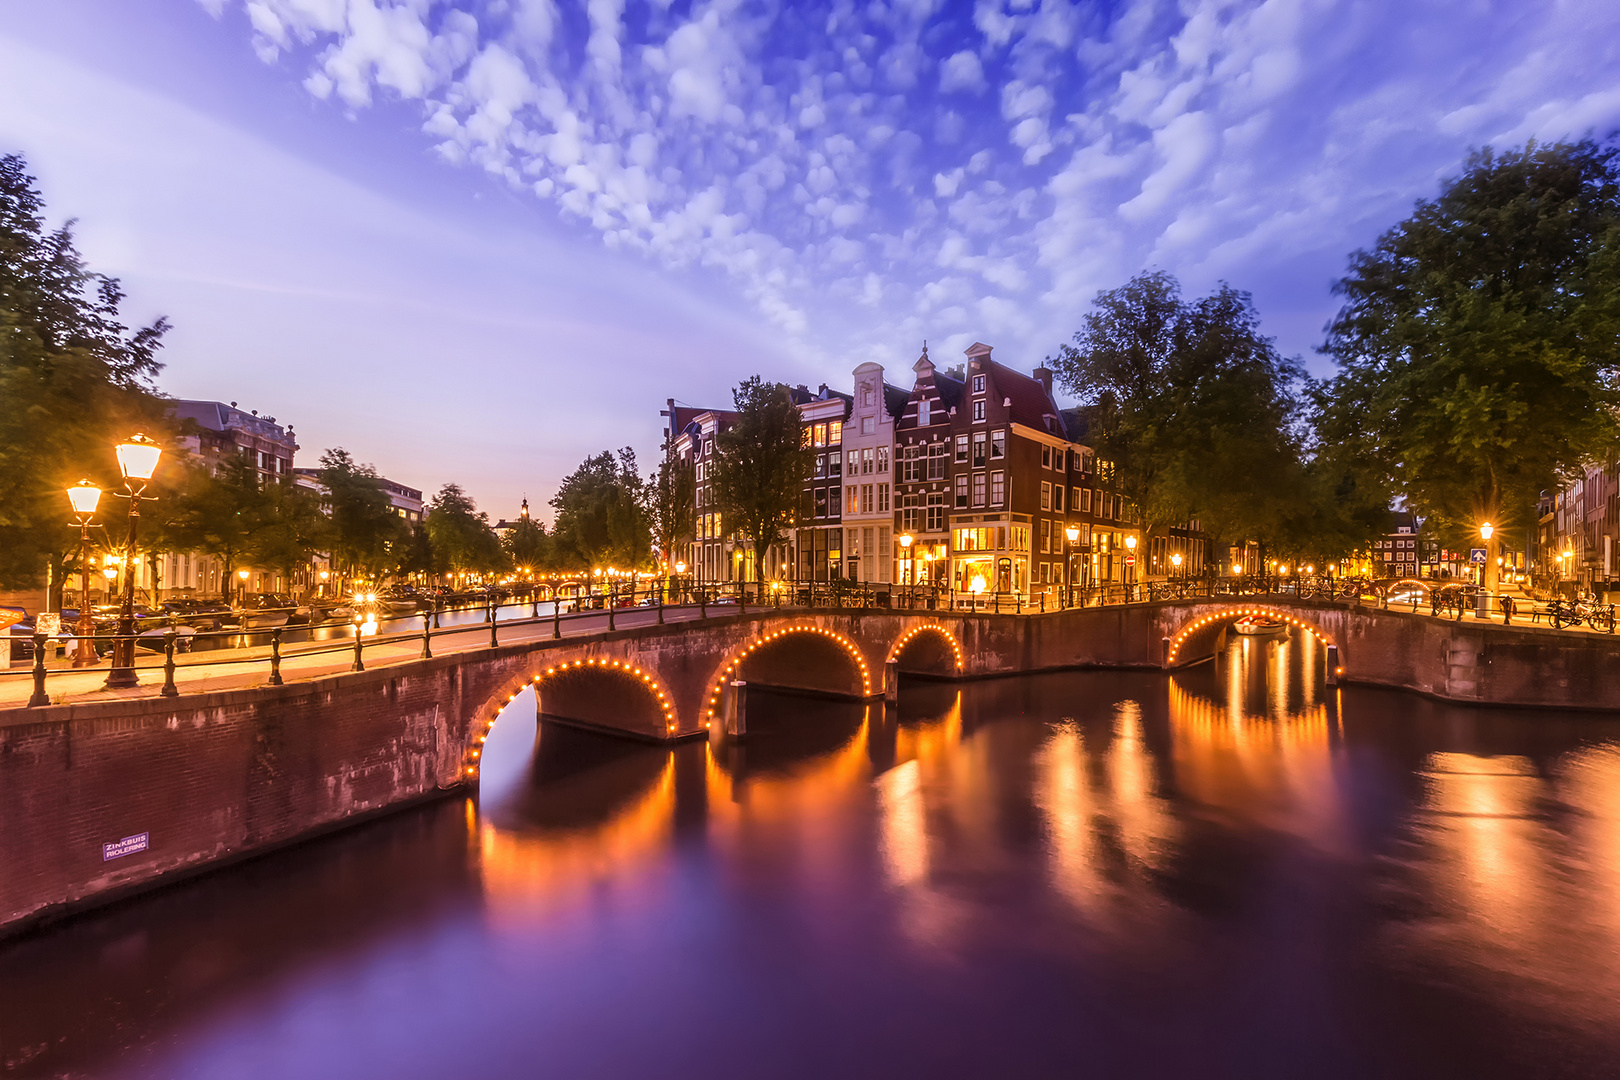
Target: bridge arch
574,690
927,649
768,651
1191,632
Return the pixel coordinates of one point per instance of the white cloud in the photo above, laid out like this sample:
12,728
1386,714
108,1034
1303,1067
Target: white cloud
962,71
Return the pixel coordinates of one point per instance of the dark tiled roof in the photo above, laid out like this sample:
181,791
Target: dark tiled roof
1031,405
950,390
1077,423
894,399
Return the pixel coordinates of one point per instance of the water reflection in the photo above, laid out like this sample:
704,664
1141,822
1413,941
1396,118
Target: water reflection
1228,872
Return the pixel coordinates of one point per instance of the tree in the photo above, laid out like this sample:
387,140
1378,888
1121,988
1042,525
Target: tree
460,534
671,503
527,546
1192,406
74,381
369,540
601,518
760,465
219,512
293,530
1479,341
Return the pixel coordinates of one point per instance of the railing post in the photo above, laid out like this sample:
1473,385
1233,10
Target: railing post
612,604
359,642
169,689
275,654
742,597
494,617
427,636
660,605
703,606
38,697
435,613
556,615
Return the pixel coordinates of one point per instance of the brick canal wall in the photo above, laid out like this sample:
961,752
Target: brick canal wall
206,778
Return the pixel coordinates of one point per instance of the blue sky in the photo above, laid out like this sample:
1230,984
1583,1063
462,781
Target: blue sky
477,241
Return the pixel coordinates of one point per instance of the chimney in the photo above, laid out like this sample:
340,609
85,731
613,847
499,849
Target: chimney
1043,375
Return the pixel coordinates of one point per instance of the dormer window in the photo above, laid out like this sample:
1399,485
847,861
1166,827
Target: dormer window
924,417
978,384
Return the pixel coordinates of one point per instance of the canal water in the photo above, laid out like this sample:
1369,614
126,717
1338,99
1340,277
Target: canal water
1230,873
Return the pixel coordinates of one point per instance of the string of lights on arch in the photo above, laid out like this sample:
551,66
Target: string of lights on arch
737,661
905,639
1237,612
622,666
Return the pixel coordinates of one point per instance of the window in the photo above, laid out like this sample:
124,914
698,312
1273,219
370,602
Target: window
807,435
866,462
854,463
998,488
936,512
821,502
1046,457
924,413
854,503
835,433
936,461
998,444
961,447
820,434
821,466
883,459
1046,535
961,490
978,384
978,489
978,411
866,500
835,464
910,471
835,502
867,396
868,425
978,450
1074,500
883,498
1085,500
1046,495
908,513
1057,497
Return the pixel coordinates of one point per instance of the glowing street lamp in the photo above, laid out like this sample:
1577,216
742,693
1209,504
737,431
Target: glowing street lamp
84,497
1175,561
906,540
137,461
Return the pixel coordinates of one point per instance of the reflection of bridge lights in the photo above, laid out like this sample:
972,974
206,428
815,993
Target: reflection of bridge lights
1221,616
914,631
849,647
668,707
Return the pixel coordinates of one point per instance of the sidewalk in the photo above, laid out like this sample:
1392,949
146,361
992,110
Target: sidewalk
237,669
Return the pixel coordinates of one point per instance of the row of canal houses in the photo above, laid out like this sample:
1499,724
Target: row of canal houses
973,479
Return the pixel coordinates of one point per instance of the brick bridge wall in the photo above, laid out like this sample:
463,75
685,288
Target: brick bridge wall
211,777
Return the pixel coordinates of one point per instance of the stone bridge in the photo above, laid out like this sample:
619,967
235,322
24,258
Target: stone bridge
178,784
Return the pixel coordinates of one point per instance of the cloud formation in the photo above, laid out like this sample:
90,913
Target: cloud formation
866,176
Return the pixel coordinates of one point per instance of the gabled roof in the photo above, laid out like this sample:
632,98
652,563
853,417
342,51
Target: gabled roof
1030,404
950,390
1076,423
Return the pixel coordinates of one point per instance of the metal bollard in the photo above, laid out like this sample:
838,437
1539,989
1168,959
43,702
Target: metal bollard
556,615
359,642
494,617
660,605
275,654
613,604
169,689
38,697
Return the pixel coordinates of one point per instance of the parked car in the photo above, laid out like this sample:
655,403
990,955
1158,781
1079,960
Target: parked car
201,614
264,610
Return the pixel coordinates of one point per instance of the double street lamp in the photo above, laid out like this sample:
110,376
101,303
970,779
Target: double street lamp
137,461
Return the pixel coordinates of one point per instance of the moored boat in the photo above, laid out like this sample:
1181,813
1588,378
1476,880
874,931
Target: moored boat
1259,625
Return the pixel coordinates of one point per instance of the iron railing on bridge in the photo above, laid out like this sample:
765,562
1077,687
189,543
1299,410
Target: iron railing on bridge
169,649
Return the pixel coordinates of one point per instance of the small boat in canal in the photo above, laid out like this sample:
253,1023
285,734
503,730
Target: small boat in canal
1260,626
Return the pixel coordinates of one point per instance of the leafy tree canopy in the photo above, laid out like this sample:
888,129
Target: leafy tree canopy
74,379
369,540
672,503
601,516
1479,339
460,534
1192,405
760,466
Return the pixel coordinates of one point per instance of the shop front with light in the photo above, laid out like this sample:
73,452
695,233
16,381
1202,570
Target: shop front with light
998,553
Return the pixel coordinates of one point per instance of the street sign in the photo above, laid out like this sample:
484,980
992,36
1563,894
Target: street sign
1130,560
1476,555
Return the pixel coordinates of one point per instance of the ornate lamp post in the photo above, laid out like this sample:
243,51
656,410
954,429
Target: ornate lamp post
84,497
1073,534
1175,561
906,540
1130,558
1487,573
137,461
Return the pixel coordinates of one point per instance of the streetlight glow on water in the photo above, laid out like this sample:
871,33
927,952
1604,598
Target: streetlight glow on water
1233,871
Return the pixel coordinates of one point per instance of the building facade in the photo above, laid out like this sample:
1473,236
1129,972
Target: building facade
922,482
869,549
818,541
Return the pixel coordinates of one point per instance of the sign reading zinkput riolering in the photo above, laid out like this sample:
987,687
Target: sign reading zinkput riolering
129,845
